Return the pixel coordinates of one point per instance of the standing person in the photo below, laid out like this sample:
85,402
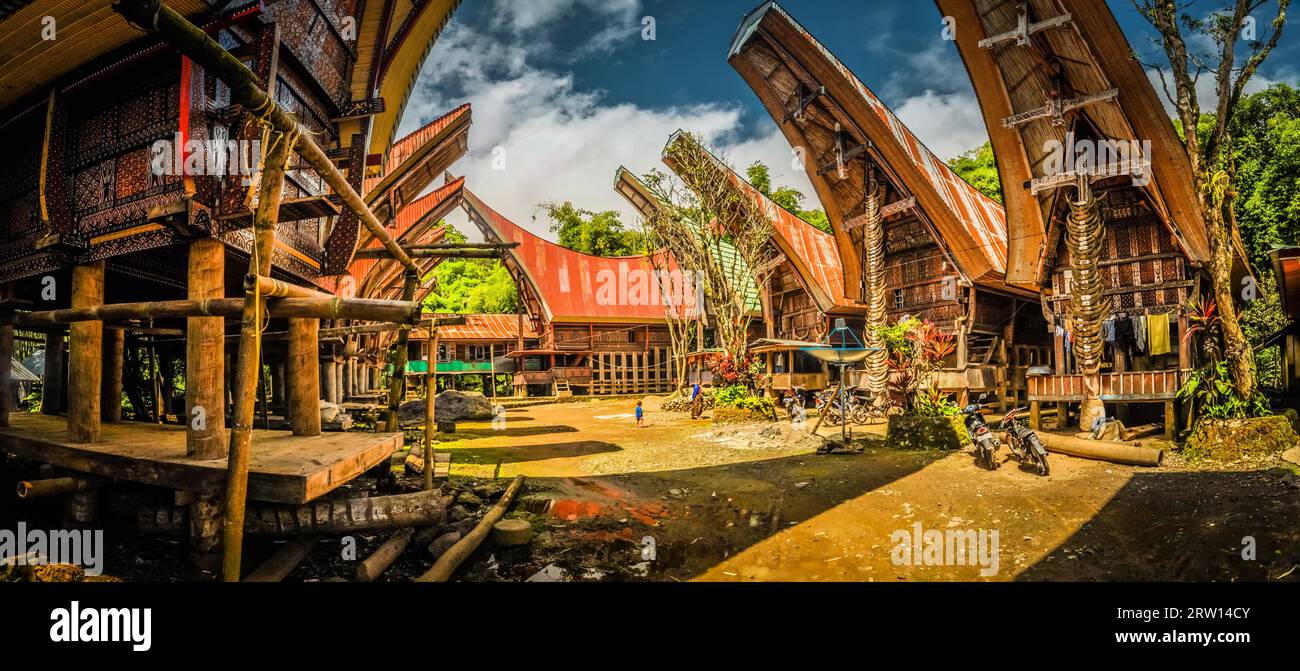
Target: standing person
640,415
697,403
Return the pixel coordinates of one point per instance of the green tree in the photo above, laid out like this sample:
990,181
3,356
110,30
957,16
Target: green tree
980,169
791,199
596,233
471,286
1266,147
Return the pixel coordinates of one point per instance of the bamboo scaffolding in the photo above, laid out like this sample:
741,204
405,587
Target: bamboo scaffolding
323,306
409,283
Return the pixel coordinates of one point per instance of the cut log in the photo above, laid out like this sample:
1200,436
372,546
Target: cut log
1120,453
374,513
512,533
284,561
447,564
378,562
31,489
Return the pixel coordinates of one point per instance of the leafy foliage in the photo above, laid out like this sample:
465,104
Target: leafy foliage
913,358
596,233
791,199
980,169
744,372
1211,391
471,286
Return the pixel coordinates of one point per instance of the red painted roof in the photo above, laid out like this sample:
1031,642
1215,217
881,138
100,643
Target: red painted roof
982,218
482,327
572,286
405,147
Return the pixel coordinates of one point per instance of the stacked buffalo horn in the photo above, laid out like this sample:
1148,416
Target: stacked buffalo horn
1085,235
873,243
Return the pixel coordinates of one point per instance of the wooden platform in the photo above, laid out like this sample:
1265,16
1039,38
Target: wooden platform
282,468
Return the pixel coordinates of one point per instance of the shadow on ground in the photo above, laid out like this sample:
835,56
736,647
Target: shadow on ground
1184,526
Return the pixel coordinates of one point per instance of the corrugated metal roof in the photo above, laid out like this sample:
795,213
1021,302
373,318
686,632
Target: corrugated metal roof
572,286
19,373
982,221
482,327
410,143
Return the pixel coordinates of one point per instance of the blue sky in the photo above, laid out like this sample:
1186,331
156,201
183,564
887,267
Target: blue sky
567,90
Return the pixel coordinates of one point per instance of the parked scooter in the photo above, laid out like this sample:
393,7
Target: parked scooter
1022,440
793,399
986,444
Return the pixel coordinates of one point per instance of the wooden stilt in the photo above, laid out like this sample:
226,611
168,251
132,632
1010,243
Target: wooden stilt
6,368
249,363
53,376
85,355
304,378
409,283
110,403
205,354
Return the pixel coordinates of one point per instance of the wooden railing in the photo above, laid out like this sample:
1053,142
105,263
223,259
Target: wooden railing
805,380
1156,385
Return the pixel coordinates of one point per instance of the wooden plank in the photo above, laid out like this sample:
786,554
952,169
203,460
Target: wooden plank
282,468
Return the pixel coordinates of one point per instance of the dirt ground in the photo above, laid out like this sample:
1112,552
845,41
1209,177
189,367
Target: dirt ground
681,499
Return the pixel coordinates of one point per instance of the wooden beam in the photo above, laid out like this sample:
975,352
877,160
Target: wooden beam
205,350
85,356
326,307
409,284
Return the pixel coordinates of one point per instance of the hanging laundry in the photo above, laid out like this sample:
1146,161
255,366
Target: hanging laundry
1108,330
1139,326
1158,331
1124,334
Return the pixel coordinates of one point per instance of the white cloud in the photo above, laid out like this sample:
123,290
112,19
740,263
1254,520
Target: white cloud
560,143
1206,90
949,124
531,19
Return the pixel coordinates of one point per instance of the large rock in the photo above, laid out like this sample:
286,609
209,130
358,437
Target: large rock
451,406
1232,439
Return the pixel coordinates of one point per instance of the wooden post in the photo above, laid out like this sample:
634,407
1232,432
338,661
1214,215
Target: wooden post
205,354
249,364
53,377
410,281
1035,415
304,377
1171,421
431,396
110,403
6,372
85,356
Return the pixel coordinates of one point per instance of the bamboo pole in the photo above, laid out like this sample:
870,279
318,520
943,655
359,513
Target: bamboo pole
85,356
374,566
446,565
33,489
433,253
409,283
248,367
430,423
318,307
271,287
284,561
154,17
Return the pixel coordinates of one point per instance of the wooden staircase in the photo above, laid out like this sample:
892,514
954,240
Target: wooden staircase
982,348
562,388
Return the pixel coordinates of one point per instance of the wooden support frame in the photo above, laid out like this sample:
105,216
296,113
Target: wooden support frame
205,350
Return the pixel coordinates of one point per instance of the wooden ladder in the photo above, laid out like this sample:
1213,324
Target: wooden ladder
562,388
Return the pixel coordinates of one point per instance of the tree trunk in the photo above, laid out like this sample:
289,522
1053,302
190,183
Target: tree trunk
1237,350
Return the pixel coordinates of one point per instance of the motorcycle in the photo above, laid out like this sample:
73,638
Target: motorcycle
1022,440
986,444
793,400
